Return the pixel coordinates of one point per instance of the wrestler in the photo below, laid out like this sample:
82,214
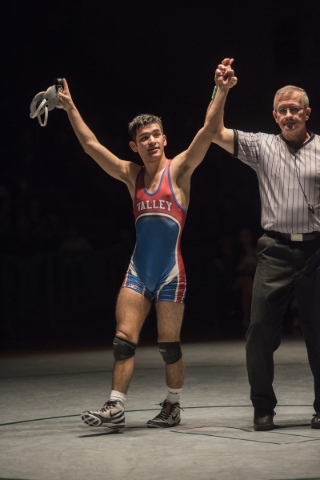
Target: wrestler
160,192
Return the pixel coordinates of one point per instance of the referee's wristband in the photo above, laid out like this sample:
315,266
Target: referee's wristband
214,92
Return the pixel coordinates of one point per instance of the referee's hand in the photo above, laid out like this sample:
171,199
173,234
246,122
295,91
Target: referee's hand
224,74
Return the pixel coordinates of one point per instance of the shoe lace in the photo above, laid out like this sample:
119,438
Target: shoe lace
108,405
167,409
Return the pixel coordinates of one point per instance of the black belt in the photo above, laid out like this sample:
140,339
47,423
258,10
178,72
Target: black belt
293,237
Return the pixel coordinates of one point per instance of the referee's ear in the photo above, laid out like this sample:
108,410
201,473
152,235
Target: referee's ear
308,113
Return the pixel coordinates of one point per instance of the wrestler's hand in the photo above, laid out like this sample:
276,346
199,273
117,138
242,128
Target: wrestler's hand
65,100
224,75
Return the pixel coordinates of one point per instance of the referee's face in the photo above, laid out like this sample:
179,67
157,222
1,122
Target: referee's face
291,115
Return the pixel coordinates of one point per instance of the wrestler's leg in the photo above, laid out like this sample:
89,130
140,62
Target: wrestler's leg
131,311
169,321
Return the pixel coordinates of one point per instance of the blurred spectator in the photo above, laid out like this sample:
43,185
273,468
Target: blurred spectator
23,196
74,240
53,233
74,267
245,271
226,258
6,222
37,222
225,262
23,244
4,192
121,254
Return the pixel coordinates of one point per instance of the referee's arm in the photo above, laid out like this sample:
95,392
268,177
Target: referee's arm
224,137
224,79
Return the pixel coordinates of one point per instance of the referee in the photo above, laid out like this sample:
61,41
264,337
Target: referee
288,170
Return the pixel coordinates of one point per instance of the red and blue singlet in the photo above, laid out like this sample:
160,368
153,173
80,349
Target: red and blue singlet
156,268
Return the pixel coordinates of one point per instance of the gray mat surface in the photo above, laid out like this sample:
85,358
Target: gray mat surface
42,436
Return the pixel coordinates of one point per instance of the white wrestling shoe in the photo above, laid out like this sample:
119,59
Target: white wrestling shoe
111,416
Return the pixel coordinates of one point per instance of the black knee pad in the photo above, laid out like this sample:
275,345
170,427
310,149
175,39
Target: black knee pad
170,351
123,349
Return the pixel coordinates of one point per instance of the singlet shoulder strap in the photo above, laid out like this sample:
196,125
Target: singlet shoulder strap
139,178
169,160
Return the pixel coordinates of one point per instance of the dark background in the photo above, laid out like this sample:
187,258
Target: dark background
67,229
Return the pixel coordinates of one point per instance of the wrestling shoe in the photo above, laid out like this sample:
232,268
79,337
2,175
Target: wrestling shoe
111,415
263,420
168,417
315,422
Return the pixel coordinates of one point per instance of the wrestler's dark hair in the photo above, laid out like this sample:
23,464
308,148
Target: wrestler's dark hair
141,121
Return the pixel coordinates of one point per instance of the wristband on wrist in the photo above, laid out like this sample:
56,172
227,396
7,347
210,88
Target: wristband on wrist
214,92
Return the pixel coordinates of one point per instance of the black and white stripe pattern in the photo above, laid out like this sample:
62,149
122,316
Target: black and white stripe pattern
280,168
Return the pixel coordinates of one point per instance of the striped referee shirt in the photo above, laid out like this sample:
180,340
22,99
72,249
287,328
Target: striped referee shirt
289,180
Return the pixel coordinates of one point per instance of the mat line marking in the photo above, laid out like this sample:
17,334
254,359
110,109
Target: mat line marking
144,410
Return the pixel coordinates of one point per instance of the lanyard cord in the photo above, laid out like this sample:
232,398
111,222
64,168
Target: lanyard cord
310,207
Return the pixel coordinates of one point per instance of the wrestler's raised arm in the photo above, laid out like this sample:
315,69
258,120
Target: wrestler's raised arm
184,164
110,163
224,79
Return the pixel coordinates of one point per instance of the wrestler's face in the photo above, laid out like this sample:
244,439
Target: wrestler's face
150,142
291,115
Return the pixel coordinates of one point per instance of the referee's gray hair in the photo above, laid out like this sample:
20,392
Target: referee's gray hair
291,89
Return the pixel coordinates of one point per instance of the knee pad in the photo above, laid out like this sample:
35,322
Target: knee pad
170,351
123,349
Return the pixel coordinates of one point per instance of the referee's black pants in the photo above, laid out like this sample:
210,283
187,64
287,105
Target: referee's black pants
282,267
